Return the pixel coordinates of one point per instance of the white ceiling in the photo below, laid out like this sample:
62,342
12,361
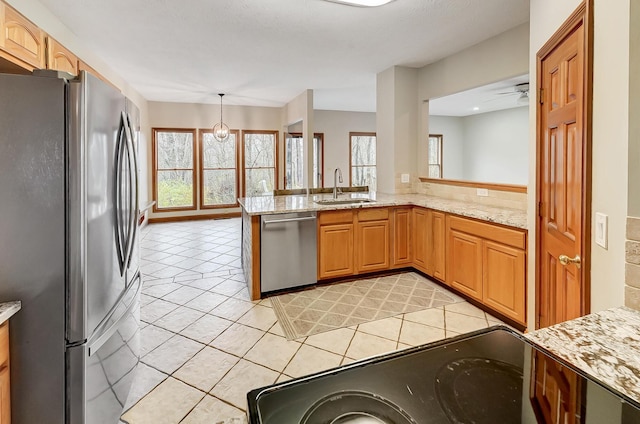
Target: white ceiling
266,52
488,98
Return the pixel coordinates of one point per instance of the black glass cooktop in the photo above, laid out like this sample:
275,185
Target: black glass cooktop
490,376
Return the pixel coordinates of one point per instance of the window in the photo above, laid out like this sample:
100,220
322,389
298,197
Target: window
219,170
434,156
260,159
294,161
173,169
363,159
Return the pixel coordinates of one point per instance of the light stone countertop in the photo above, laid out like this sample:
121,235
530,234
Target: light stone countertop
266,205
8,309
604,345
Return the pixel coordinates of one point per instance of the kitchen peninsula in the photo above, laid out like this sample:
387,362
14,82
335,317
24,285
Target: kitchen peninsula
476,250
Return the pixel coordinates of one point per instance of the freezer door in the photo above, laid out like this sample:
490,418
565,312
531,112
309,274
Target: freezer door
102,370
97,146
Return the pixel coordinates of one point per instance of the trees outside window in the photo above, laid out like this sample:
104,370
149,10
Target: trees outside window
294,161
173,167
219,170
434,156
260,154
363,159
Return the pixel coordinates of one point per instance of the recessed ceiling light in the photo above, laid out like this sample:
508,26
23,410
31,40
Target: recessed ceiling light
362,3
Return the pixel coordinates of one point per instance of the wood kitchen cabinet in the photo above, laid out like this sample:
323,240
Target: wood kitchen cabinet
488,263
429,242
60,59
21,42
401,238
372,240
5,392
335,244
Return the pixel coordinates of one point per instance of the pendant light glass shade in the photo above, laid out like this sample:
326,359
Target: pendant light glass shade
221,130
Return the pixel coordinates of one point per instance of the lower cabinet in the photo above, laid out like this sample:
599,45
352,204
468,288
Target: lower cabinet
372,240
488,263
335,244
401,238
429,242
5,391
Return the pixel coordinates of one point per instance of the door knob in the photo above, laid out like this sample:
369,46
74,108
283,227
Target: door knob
565,260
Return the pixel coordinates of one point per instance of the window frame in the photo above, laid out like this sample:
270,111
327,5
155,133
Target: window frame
351,166
439,164
154,152
320,137
275,158
201,170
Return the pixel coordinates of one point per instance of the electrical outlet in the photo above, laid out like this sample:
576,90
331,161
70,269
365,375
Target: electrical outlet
482,192
404,178
602,230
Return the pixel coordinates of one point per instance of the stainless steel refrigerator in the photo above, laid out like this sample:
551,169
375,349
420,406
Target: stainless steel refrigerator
68,246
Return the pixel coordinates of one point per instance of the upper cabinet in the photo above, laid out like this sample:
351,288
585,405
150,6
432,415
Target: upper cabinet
21,42
60,59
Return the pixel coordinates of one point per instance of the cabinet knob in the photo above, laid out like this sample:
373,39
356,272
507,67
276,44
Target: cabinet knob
565,260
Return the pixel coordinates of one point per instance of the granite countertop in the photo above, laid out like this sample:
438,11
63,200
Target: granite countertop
266,205
8,309
604,345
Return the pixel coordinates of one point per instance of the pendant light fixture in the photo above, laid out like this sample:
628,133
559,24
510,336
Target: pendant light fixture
221,130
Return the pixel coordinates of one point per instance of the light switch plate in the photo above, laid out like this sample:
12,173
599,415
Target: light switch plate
602,230
482,192
404,178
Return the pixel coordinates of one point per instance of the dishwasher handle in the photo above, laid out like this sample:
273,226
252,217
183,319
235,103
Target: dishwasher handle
279,221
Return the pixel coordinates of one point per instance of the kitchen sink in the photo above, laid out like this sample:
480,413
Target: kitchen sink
343,201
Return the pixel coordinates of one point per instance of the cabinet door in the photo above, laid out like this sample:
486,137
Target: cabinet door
22,41
438,245
335,251
372,244
5,392
504,280
401,238
420,242
464,265
60,59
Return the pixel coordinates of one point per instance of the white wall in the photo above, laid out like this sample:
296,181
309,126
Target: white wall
452,132
336,126
610,138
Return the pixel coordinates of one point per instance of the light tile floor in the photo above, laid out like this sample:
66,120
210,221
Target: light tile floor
205,344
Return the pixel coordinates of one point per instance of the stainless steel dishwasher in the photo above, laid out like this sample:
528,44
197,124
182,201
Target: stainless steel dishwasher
288,250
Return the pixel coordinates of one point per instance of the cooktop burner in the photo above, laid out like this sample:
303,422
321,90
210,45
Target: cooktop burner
489,376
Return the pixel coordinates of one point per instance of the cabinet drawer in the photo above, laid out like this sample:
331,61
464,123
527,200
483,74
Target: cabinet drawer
373,214
335,217
508,236
4,343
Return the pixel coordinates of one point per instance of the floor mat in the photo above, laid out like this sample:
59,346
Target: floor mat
325,308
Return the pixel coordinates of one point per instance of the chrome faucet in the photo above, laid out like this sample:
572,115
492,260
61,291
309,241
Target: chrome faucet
335,182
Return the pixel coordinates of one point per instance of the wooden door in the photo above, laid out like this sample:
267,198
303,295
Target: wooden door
563,177
372,241
420,242
401,238
503,281
555,392
438,245
465,263
335,253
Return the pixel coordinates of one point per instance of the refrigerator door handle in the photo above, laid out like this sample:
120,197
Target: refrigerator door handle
133,192
121,243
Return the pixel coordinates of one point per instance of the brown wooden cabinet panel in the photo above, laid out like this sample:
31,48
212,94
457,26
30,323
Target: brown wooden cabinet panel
438,245
464,269
60,59
420,241
372,243
5,391
503,271
335,250
401,238
22,42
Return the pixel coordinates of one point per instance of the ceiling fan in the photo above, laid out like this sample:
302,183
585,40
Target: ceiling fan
522,90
